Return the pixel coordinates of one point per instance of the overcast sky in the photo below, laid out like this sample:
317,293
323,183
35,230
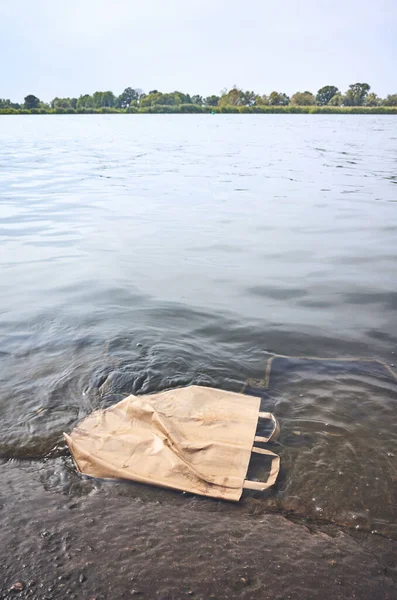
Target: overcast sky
71,47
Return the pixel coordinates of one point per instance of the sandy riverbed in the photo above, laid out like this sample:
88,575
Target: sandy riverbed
109,545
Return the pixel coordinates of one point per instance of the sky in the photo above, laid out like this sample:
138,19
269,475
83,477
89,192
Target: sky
66,48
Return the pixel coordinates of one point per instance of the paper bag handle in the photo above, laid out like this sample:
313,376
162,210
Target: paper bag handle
276,428
260,486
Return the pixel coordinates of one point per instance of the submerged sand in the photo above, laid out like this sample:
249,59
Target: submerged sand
105,545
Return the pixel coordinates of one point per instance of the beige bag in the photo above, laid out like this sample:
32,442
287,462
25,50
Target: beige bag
195,439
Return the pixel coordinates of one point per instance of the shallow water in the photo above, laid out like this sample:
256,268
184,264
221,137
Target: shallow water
144,252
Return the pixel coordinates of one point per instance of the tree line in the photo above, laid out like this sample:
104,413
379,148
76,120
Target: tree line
134,100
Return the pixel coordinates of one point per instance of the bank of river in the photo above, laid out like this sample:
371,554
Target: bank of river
105,545
198,109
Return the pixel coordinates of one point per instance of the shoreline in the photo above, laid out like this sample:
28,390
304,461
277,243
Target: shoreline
107,544
196,109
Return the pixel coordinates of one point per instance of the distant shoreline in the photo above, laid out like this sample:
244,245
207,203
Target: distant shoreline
197,109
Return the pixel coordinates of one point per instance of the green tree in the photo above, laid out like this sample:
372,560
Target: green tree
85,101
63,103
234,100
356,94
390,100
236,97
233,97
336,100
148,99
168,99
372,100
249,98
262,100
155,98
303,99
127,97
31,102
325,94
108,99
197,99
6,103
181,98
212,100
102,99
277,99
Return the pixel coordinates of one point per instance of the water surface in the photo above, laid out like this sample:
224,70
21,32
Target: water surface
144,252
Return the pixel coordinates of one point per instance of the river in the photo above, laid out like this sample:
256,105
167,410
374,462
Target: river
142,252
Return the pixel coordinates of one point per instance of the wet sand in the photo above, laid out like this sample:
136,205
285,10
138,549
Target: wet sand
102,546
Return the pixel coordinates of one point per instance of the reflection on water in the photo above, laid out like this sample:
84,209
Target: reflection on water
145,252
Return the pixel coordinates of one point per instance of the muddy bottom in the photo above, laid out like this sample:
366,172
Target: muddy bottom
325,530
105,545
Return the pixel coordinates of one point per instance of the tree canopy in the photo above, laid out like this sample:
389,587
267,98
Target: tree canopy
133,100
356,94
212,100
336,100
6,103
236,97
303,99
325,94
390,100
31,102
372,100
128,97
277,99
